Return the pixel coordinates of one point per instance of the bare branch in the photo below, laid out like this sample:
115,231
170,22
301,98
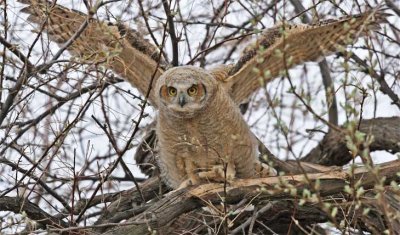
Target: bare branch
326,75
34,212
332,149
183,201
172,34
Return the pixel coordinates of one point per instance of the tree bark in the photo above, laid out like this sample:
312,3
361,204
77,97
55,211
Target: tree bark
332,150
262,191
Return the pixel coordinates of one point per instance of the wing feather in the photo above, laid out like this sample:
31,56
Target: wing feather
286,46
116,46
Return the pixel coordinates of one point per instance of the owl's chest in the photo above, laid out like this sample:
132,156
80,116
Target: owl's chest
200,138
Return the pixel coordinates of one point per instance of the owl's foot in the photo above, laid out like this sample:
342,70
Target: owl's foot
193,179
219,174
263,170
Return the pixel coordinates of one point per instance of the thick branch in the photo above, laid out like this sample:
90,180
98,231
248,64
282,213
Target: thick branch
260,190
34,212
332,149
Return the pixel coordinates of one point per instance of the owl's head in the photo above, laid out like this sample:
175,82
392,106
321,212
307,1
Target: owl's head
185,91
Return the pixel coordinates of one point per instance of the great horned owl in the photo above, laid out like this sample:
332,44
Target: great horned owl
201,133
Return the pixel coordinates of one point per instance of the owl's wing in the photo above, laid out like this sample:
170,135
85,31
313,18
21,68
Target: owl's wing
146,153
114,45
285,46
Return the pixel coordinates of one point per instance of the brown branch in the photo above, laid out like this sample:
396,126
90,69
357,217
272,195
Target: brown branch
130,200
111,137
33,211
209,35
392,6
332,149
62,101
16,52
172,34
136,129
261,190
146,21
38,180
60,137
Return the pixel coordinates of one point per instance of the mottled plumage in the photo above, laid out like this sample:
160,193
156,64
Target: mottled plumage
198,137
124,50
286,45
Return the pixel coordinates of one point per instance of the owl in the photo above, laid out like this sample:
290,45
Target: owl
201,133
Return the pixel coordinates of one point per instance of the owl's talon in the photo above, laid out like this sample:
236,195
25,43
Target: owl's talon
218,174
264,170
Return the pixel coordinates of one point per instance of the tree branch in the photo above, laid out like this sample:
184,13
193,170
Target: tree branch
260,190
34,212
332,149
172,34
324,68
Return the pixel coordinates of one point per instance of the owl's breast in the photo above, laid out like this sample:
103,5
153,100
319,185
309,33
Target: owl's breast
217,136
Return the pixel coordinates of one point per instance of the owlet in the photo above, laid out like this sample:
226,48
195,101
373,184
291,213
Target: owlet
201,133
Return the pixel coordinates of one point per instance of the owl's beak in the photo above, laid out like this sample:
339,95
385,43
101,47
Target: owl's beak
182,100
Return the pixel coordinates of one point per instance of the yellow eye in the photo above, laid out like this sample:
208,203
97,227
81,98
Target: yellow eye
192,91
171,91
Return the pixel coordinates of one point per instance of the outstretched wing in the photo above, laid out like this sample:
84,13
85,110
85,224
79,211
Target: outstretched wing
120,48
285,46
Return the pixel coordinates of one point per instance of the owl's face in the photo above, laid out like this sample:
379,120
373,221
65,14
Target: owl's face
185,91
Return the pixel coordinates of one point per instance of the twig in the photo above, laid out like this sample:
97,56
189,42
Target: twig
323,66
252,219
37,179
16,52
384,87
141,116
59,137
392,6
123,164
68,43
217,45
146,21
172,34
33,211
